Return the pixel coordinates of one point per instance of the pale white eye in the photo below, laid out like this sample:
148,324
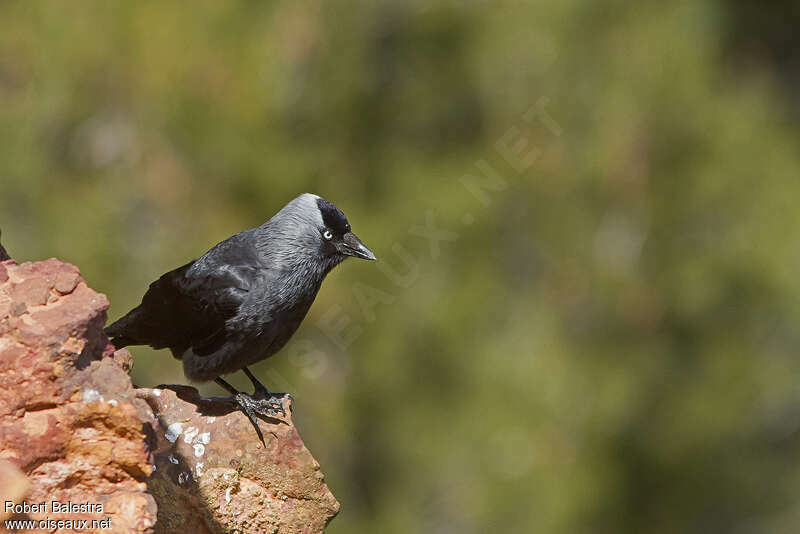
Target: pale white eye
327,234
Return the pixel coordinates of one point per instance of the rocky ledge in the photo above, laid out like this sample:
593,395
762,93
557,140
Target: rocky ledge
73,429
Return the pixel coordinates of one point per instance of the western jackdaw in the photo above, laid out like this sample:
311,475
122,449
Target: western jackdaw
242,300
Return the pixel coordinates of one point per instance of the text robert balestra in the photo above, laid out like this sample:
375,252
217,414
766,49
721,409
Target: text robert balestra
52,507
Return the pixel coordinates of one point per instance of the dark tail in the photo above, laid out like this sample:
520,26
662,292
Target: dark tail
3,254
118,335
122,341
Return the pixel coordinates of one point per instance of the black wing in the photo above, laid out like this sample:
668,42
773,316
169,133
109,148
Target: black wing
213,298
190,306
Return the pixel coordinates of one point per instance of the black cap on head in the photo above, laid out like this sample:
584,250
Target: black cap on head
333,217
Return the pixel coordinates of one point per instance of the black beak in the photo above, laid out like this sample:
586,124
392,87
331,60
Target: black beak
352,246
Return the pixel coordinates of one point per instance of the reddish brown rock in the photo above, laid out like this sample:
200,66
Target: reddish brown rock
14,486
214,475
69,419
72,428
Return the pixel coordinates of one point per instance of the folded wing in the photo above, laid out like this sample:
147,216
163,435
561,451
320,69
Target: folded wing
189,307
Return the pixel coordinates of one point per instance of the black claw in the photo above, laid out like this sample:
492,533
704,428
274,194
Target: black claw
269,407
243,401
262,402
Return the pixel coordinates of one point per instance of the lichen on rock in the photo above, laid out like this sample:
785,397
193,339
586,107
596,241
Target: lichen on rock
206,451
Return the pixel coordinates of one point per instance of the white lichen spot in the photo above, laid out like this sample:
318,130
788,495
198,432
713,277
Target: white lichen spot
173,431
113,402
157,392
190,433
211,419
92,395
183,477
199,469
173,460
204,438
199,449
228,494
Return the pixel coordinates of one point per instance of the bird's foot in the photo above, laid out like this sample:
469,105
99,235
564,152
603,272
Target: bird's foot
261,391
267,405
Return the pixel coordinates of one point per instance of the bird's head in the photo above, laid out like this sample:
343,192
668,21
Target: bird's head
320,229
337,237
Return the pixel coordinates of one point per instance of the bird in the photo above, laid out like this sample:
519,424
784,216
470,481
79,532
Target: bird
241,301
3,254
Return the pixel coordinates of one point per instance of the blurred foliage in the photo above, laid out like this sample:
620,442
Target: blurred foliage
606,346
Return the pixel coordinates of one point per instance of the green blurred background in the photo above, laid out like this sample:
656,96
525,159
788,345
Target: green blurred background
604,340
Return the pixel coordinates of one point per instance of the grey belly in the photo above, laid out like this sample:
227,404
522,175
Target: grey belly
243,348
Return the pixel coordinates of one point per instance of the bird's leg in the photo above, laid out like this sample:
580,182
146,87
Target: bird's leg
260,389
229,388
245,403
274,401
262,402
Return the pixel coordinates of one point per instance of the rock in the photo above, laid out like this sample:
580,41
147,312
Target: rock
15,485
73,428
69,418
207,452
